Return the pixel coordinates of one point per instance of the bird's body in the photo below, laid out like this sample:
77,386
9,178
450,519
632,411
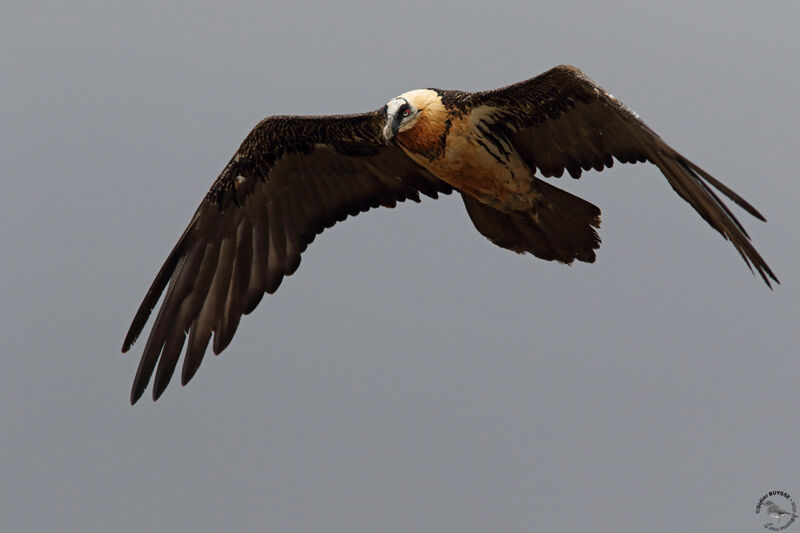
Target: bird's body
294,176
466,162
776,513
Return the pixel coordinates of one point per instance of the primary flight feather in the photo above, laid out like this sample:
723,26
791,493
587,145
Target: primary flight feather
294,176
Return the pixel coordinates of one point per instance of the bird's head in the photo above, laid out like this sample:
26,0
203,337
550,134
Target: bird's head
399,115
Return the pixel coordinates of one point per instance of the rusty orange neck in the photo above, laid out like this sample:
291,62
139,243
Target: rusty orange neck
424,136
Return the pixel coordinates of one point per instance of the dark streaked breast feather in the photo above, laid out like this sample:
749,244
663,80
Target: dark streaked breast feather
561,120
291,178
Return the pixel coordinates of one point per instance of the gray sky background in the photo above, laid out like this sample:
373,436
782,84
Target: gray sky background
411,376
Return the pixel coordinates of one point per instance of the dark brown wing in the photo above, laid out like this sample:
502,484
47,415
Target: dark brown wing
291,178
561,120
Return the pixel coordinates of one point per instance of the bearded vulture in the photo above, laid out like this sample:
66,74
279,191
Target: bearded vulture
294,176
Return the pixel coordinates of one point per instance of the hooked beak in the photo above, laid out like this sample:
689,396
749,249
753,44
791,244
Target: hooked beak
389,132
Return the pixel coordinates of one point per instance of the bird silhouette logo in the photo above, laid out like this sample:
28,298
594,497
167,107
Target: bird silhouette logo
776,514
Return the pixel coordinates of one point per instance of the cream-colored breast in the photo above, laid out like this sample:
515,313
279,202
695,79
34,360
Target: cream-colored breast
474,164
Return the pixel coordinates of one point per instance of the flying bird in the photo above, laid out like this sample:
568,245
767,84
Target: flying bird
294,176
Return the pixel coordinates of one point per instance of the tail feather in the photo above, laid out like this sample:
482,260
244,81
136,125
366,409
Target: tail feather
560,227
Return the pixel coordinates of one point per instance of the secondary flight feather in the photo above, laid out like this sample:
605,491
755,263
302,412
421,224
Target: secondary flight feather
294,176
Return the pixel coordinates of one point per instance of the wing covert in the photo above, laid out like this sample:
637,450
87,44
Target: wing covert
291,178
562,120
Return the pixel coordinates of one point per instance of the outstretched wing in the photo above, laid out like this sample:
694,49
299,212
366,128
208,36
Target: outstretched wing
291,178
561,120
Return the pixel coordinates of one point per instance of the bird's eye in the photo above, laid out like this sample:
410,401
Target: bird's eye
406,112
